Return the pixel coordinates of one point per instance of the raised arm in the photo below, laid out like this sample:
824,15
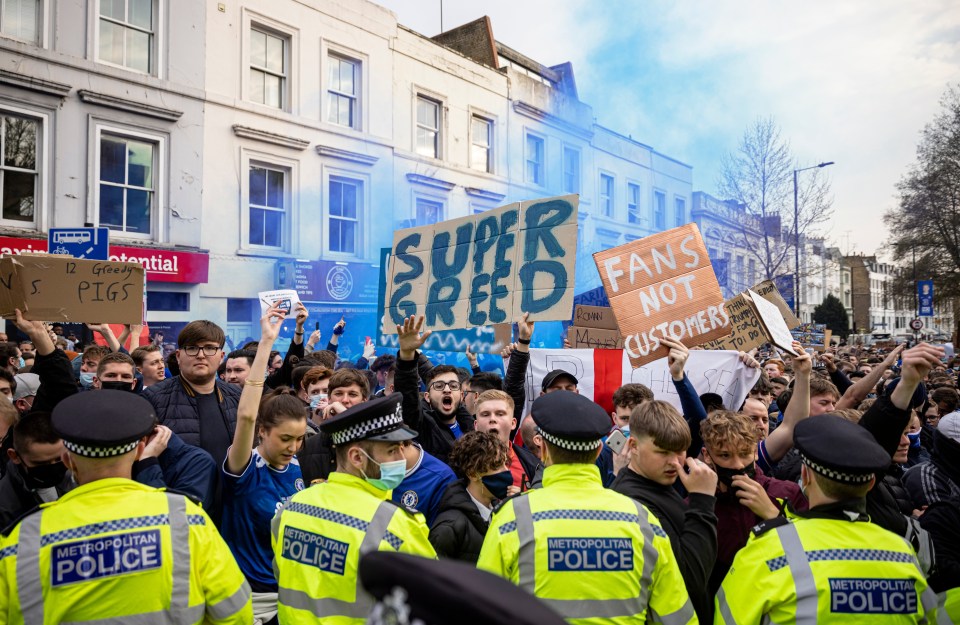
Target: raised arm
107,334
779,442
514,382
238,457
865,385
407,380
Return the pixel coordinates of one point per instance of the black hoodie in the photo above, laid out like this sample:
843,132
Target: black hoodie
939,479
458,530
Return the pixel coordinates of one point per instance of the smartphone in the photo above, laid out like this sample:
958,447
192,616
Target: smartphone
616,441
316,326
810,351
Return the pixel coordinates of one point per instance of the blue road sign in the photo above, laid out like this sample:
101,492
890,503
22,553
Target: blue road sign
89,243
925,295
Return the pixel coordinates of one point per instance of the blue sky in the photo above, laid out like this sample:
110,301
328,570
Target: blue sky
851,82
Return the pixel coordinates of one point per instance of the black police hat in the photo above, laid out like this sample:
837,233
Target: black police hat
104,423
379,419
839,450
551,377
570,421
435,592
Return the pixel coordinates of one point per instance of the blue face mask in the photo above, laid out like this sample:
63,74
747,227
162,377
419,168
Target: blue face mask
391,473
21,363
316,400
914,439
86,379
498,483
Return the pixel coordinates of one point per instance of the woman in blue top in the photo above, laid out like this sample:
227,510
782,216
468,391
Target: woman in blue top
257,480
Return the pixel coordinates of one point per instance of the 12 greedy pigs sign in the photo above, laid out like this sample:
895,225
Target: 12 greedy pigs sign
663,286
486,269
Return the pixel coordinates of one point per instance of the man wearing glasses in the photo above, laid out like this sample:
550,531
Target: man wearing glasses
439,418
197,405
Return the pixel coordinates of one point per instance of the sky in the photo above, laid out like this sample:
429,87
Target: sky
849,82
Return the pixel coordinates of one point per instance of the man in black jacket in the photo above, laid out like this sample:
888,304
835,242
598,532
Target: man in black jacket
659,438
439,419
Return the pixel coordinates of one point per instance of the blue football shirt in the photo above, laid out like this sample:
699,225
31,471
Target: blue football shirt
424,484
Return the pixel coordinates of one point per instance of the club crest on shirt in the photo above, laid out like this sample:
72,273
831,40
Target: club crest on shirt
409,499
298,484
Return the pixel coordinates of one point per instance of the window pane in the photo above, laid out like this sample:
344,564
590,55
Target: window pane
426,113
273,228
274,188
138,50
113,160
333,75
334,236
18,195
141,13
20,19
478,157
272,86
20,142
138,211
342,236
275,54
480,131
111,42
258,186
111,207
346,76
258,48
336,198
256,226
349,208
113,8
140,164
256,86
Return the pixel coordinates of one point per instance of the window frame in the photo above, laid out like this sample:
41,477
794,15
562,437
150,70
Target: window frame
678,219
362,180
634,216
42,186
438,201
329,54
283,210
156,38
251,20
657,214
527,136
157,219
291,227
578,174
420,94
489,122
607,194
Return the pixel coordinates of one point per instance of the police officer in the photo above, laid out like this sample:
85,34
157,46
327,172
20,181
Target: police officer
114,550
590,554
321,532
830,565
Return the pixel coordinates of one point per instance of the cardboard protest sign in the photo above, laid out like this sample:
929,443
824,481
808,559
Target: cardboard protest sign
747,331
62,288
600,317
814,335
600,372
286,299
773,324
594,338
663,286
486,269
485,340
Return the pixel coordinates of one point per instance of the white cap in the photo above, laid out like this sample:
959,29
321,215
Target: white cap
949,426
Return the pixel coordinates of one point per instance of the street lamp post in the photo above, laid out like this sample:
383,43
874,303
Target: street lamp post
796,237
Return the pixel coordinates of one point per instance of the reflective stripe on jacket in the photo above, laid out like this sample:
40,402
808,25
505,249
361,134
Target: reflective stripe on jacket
318,538
116,552
821,570
593,555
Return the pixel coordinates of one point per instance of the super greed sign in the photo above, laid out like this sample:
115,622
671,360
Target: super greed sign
160,265
486,269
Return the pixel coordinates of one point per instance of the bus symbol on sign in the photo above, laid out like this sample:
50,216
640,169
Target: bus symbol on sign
916,324
89,243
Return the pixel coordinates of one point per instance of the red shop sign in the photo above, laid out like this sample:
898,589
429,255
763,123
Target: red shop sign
160,265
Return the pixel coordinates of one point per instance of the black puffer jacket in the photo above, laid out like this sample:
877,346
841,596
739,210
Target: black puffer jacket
175,403
458,530
317,458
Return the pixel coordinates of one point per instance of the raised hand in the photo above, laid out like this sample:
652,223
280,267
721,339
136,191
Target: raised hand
701,478
677,358
410,337
471,357
269,330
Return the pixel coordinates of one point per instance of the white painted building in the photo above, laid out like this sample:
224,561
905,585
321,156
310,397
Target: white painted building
279,142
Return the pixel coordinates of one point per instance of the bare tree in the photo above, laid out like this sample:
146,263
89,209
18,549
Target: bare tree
925,227
759,175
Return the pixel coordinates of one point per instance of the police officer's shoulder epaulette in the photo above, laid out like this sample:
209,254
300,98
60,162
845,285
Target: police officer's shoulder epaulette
408,509
189,496
9,528
765,526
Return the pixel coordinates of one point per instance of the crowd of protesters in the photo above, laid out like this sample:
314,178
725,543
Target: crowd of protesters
241,433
